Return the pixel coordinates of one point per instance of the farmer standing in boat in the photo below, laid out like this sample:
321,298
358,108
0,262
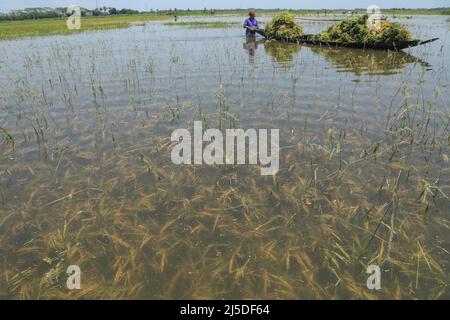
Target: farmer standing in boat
251,24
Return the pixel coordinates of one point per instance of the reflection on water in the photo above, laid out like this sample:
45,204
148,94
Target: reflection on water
367,62
358,61
251,45
364,168
282,52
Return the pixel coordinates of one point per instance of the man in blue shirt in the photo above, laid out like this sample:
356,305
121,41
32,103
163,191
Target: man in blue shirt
251,24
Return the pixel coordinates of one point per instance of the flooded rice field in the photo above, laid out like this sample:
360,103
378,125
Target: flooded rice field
86,176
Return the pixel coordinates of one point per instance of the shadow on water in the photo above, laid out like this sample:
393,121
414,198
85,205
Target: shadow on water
368,62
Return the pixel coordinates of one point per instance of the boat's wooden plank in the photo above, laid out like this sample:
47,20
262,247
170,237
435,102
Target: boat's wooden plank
378,45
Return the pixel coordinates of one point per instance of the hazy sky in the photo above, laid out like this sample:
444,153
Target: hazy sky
7,5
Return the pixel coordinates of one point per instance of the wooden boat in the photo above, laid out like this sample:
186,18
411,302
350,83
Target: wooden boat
376,45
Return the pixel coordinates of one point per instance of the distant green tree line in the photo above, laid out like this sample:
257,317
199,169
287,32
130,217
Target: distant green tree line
42,13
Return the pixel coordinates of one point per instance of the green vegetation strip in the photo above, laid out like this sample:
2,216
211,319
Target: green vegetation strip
30,28
200,24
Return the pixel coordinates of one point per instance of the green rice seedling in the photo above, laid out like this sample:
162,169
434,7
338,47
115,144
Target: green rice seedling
8,138
355,30
283,27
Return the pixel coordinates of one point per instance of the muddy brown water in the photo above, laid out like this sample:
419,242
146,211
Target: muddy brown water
364,173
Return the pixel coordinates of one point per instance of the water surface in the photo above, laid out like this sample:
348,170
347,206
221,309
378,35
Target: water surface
88,180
